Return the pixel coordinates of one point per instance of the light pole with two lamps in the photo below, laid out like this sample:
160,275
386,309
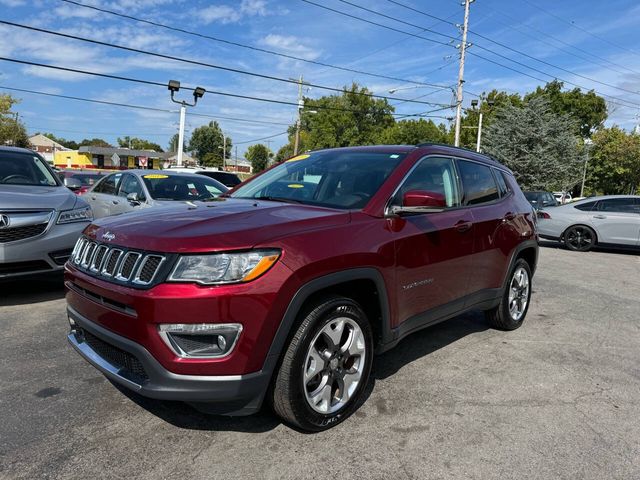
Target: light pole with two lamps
198,92
474,105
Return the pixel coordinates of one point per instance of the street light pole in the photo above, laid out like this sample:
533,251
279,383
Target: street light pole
463,49
299,120
183,112
587,144
198,92
479,133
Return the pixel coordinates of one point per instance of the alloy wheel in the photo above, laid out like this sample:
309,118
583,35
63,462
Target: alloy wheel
579,238
518,293
333,365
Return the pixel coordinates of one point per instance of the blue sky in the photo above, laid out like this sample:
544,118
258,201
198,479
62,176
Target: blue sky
591,39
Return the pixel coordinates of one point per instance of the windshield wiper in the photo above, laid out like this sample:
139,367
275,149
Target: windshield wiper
275,199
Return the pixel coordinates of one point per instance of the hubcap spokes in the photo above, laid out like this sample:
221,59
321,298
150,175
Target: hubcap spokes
518,293
334,365
579,238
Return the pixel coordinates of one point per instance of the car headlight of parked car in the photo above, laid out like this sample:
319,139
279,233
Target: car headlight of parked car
82,214
220,268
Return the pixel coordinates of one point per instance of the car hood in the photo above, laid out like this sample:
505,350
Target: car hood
212,226
36,197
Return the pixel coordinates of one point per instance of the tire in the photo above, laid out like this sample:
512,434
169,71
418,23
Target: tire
307,391
579,238
507,315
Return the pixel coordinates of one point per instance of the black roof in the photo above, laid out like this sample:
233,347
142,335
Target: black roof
462,152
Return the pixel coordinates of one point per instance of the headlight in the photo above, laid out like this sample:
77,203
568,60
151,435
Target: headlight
219,268
83,214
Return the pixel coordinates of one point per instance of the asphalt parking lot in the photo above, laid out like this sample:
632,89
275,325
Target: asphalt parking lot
558,398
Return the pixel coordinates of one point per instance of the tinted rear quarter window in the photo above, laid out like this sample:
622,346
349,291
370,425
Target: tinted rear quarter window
503,186
478,183
585,207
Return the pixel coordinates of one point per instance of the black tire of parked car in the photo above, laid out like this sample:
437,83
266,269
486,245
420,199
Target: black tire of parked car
579,238
288,395
500,316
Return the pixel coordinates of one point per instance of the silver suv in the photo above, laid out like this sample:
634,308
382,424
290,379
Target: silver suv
40,218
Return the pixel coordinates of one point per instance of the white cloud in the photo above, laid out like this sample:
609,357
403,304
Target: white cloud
12,3
227,14
290,45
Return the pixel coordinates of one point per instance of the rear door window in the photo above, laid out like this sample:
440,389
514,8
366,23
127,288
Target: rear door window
620,205
478,183
503,188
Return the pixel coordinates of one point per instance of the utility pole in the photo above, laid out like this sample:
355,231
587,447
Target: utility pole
587,144
236,158
224,151
299,120
15,130
183,113
463,48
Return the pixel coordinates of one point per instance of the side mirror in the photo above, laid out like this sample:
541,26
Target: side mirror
421,201
132,198
72,183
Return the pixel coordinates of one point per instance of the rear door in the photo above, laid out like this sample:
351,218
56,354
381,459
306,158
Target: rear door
617,221
491,214
433,250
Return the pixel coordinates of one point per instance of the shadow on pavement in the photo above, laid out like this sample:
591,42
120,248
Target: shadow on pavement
620,250
183,415
413,347
34,290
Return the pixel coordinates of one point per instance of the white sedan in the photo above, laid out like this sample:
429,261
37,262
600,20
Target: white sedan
612,220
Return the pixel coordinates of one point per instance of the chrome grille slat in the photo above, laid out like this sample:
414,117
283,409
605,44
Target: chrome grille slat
116,264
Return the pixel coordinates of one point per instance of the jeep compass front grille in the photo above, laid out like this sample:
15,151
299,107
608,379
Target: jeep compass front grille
117,264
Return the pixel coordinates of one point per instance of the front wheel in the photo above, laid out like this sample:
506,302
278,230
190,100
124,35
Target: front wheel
326,367
579,238
514,305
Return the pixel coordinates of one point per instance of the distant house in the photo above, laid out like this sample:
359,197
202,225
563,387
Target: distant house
172,159
240,165
109,158
46,147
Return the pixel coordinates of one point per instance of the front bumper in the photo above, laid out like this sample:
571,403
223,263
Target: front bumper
130,365
46,252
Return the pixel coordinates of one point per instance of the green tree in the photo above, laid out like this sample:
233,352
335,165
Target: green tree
12,131
341,120
488,104
412,132
138,144
587,109
212,160
259,156
94,142
173,144
208,139
614,162
538,145
62,141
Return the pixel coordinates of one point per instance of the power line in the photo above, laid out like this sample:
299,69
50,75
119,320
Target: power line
619,101
602,61
195,62
507,47
260,139
214,92
242,45
571,24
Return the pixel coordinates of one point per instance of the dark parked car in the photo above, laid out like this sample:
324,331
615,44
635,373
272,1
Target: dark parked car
289,285
79,181
541,199
228,179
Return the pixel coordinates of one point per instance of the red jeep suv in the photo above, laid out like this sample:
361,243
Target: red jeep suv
286,288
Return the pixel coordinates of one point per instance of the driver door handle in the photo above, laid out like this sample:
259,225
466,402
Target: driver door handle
600,216
115,202
463,226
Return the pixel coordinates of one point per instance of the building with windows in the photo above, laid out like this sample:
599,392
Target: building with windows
109,158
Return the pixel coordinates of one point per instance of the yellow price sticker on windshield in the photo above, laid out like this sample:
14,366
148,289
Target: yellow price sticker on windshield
156,175
299,157
295,185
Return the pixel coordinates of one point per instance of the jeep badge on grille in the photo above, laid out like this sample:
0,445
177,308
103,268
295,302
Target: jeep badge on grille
108,236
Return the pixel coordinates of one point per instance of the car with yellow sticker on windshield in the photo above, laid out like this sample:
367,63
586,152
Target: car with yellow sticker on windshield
130,190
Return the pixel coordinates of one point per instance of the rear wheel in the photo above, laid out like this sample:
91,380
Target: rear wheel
579,238
514,305
326,366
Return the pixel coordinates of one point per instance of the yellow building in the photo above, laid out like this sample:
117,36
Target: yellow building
109,158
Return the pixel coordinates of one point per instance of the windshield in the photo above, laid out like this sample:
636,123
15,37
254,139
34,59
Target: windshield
334,178
17,168
182,187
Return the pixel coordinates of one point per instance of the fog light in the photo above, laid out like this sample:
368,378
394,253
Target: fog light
202,340
72,322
